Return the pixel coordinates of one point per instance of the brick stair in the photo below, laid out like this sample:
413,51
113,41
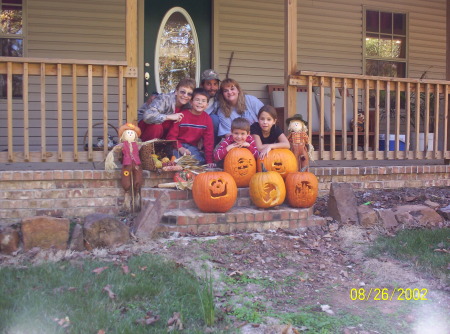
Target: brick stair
183,215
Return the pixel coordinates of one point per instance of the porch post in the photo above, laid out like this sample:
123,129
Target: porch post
290,57
132,60
447,161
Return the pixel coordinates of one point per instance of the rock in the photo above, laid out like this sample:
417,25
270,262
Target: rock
342,204
148,219
103,231
445,212
432,204
77,240
367,216
9,240
387,218
45,232
420,214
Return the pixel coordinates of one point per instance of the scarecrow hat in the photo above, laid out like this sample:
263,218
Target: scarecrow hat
129,126
296,117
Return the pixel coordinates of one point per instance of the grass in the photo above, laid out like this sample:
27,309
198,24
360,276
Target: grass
32,298
418,247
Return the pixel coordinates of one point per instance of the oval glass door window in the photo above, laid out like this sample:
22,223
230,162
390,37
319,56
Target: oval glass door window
177,53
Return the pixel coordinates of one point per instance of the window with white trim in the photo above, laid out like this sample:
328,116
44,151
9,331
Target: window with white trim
11,41
385,43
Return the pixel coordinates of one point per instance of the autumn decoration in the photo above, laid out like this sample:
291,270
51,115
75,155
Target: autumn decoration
241,165
267,188
214,191
280,160
302,189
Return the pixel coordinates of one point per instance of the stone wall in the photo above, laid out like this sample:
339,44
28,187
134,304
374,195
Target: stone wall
77,193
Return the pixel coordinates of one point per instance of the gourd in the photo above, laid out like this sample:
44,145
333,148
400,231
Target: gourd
280,160
302,189
214,191
241,165
267,189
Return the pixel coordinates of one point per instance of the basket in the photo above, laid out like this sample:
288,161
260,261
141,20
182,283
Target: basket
99,145
162,148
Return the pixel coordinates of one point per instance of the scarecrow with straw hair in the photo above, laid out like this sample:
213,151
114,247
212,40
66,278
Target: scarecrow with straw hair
131,174
299,140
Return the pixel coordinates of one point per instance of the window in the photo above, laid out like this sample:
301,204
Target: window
385,43
11,40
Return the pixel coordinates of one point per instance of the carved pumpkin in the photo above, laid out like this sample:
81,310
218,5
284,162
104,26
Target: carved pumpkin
280,160
241,165
302,189
267,189
214,191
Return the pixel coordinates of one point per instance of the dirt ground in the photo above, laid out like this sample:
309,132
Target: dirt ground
322,269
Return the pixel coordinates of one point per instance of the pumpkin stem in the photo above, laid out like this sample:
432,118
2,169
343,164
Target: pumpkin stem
263,168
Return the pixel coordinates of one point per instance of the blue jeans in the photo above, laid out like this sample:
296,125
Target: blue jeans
195,152
215,120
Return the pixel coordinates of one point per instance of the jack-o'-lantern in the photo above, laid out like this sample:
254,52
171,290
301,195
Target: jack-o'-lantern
214,191
302,189
267,189
280,160
241,165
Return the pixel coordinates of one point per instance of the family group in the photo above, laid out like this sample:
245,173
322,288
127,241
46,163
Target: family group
208,121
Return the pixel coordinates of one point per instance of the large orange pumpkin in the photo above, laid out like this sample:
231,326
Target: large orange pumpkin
280,160
214,191
267,189
302,189
241,165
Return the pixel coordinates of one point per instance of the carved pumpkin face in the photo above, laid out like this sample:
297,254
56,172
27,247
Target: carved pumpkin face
214,191
241,165
302,189
280,160
267,189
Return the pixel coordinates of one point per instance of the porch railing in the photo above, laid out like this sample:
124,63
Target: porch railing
410,115
53,119
61,101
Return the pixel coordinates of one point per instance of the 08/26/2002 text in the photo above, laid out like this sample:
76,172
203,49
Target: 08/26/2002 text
386,294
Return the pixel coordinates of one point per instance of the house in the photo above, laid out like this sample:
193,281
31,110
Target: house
101,57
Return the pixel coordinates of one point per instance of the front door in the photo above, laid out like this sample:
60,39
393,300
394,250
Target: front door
177,37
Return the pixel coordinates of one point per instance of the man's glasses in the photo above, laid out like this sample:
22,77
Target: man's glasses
183,92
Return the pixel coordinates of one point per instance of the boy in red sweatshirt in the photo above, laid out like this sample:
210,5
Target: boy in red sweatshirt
240,137
195,125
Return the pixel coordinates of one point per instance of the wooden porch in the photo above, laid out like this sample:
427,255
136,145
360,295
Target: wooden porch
62,100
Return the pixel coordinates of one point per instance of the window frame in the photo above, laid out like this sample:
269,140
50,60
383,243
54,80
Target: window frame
404,60
21,36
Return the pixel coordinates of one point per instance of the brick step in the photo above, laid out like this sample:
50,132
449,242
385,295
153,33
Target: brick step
182,199
247,218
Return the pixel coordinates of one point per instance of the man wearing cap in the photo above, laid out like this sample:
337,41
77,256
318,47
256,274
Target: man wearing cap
210,82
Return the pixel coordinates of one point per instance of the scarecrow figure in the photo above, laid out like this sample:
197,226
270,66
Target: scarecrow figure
300,144
131,175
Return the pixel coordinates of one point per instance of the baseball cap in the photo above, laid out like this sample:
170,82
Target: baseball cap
210,75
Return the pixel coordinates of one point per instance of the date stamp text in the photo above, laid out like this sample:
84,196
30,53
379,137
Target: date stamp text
386,294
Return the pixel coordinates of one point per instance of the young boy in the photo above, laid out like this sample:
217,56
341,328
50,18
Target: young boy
194,126
156,119
240,137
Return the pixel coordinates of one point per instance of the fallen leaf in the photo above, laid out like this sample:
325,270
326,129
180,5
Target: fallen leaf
111,294
63,322
125,269
143,268
101,331
99,270
327,309
148,319
175,322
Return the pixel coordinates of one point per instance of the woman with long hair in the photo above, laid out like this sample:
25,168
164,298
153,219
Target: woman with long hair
234,103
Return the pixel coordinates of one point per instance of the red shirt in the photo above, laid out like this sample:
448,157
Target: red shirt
192,129
221,151
129,157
